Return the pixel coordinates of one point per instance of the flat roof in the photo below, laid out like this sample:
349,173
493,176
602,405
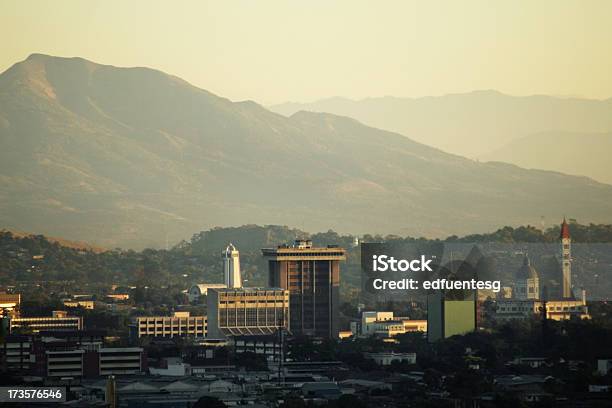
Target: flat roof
247,289
286,253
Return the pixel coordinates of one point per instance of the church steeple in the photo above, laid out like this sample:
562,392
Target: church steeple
565,233
566,259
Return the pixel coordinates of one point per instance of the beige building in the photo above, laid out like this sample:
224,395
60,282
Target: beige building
181,324
562,309
247,311
58,321
527,302
9,304
118,296
385,324
85,304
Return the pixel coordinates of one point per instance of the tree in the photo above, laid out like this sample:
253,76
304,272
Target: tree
293,401
209,402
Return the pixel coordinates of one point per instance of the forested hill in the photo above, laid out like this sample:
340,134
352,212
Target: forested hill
134,157
36,258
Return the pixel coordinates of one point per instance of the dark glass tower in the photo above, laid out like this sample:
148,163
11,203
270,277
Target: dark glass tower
312,276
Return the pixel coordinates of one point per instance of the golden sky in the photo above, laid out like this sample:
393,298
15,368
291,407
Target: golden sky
276,51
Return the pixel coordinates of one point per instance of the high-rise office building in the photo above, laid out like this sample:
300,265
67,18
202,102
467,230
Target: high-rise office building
231,267
312,276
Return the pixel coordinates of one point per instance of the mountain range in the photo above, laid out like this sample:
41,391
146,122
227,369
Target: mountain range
490,125
581,153
136,157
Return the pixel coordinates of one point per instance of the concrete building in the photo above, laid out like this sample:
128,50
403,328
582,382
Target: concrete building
247,311
268,346
527,301
312,276
9,304
201,289
18,353
85,304
508,309
180,324
386,359
369,318
78,362
64,363
70,354
118,297
120,361
231,267
386,325
59,320
345,334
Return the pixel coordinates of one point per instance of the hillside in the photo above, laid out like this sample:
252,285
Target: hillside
134,157
27,258
575,153
470,124
77,245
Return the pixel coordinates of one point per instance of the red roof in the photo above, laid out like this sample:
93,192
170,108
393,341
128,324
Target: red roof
564,230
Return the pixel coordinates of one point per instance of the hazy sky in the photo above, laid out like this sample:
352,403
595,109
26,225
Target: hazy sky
276,51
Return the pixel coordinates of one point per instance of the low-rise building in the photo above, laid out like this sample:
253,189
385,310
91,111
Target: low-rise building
247,311
120,360
180,324
59,320
268,346
18,353
345,334
85,304
64,363
201,289
386,325
118,296
387,358
69,354
604,366
563,309
9,304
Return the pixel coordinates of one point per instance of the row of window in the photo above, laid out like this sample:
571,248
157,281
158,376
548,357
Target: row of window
549,308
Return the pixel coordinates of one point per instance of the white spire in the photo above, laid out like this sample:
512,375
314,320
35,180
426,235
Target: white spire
231,267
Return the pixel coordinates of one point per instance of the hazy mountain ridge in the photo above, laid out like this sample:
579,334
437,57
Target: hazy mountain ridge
135,157
470,124
586,154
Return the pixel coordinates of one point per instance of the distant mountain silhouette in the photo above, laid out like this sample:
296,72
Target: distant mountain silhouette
136,157
576,153
470,124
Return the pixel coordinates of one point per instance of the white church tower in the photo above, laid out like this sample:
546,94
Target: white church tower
231,267
566,260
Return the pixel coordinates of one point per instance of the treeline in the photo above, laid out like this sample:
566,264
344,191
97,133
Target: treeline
35,258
